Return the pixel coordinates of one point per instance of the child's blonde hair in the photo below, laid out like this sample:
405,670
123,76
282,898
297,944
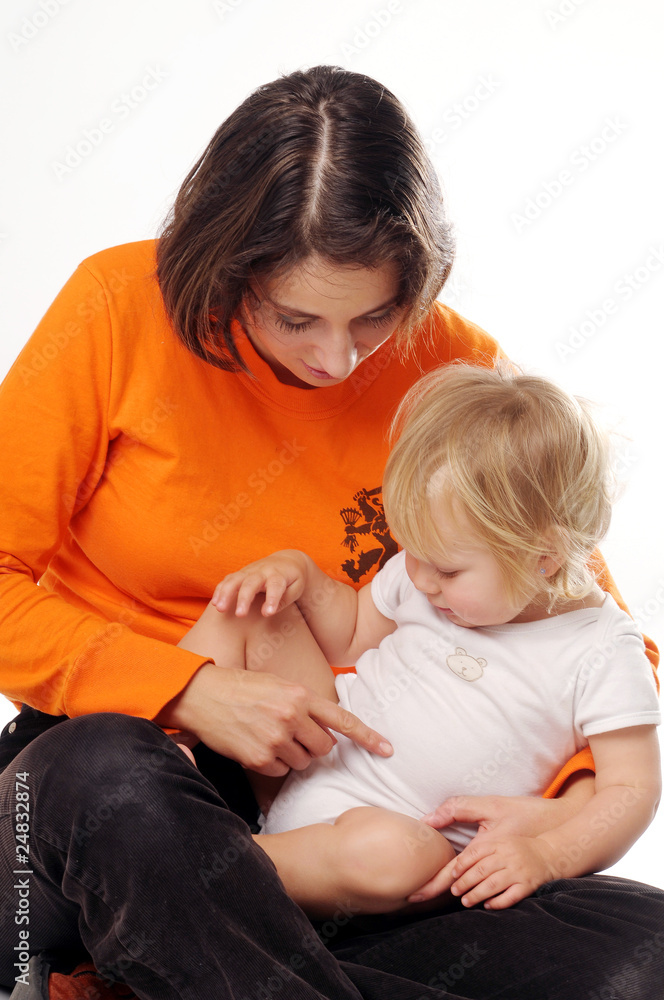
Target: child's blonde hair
524,461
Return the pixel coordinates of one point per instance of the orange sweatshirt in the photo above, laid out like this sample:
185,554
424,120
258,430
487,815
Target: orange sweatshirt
133,477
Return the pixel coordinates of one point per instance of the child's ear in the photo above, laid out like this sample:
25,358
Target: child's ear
552,555
547,565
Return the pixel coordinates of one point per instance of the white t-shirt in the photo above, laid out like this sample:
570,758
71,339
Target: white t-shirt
483,711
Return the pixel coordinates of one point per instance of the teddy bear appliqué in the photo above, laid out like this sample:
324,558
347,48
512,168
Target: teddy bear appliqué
465,666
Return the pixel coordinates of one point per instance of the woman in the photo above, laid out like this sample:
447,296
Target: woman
181,410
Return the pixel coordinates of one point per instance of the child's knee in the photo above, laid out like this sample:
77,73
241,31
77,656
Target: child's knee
388,855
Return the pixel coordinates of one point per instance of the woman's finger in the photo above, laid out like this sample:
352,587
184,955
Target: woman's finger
440,883
316,739
326,713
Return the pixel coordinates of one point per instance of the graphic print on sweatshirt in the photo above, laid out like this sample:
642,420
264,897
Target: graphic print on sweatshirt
367,534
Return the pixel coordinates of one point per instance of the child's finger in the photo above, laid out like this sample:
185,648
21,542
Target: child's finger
275,588
252,584
224,594
514,894
486,874
493,886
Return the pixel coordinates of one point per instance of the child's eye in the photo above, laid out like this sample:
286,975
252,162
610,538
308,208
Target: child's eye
288,327
447,575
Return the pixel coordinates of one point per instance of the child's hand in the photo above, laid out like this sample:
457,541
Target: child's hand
500,870
281,577
525,815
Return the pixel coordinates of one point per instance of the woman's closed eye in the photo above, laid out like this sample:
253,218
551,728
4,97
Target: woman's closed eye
384,318
288,325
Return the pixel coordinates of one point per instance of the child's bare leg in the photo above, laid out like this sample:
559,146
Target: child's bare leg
281,644
370,859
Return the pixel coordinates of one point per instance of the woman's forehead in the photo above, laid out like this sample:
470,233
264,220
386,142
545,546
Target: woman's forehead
319,282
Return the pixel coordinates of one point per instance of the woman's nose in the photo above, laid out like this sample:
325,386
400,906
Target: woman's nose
337,354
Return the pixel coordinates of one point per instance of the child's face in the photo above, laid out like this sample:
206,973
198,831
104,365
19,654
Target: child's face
466,585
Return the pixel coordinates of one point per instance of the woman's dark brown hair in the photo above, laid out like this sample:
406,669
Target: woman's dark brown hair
323,163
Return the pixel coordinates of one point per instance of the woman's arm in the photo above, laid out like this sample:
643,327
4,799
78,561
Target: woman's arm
257,703
56,654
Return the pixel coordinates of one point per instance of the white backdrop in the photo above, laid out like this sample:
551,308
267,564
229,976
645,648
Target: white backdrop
543,118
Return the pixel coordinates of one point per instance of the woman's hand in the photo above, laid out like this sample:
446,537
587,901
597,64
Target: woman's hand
265,723
281,577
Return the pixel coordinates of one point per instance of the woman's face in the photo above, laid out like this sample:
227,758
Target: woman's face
316,324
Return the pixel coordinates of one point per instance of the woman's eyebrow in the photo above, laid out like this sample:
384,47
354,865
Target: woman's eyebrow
288,311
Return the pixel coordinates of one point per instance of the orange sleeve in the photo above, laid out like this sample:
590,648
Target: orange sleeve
583,761
54,425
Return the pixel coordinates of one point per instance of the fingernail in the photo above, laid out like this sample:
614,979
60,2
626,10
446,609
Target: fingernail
386,747
455,891
415,899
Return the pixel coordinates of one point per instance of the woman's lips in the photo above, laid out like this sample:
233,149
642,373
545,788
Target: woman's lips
316,372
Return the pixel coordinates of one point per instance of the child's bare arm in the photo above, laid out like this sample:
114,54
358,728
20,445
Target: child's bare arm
344,622
501,869
628,786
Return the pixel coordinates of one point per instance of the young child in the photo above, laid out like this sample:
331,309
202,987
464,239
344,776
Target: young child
485,648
